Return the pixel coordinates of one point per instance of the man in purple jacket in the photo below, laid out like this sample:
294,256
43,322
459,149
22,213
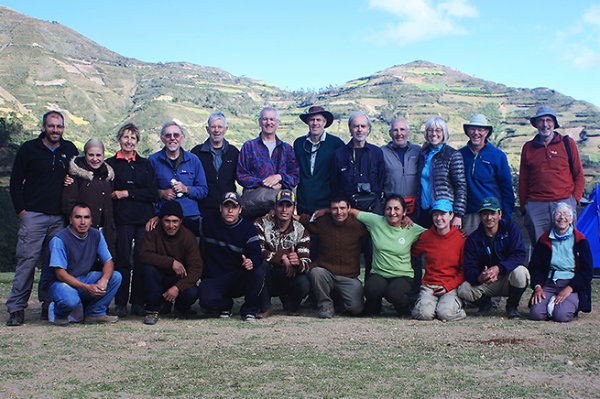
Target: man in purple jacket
265,166
493,261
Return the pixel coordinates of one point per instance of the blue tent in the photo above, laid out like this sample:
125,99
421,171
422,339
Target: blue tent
588,222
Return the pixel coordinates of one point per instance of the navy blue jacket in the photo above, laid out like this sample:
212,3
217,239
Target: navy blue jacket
539,267
345,173
223,245
508,246
314,190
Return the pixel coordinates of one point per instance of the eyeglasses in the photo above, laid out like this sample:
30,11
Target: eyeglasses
173,135
562,215
435,130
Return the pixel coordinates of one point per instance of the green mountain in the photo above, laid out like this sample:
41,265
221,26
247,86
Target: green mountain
45,65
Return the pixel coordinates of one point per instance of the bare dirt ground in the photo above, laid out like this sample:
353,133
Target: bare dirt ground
303,357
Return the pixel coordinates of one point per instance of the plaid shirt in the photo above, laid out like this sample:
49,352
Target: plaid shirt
254,164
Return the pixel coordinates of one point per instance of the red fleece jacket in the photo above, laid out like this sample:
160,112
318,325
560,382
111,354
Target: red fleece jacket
443,257
545,174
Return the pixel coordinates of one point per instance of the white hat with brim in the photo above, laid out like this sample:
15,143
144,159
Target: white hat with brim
478,120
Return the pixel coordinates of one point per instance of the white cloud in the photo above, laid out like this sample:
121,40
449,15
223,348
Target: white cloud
424,19
592,15
580,45
586,58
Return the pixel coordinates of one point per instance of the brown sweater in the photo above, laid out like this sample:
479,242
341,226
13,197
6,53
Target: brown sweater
339,246
160,249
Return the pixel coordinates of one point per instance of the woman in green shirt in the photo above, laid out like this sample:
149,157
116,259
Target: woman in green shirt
392,275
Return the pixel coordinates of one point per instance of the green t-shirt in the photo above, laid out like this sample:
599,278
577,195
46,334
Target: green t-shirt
391,245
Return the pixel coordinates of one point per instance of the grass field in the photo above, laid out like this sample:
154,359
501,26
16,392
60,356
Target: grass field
297,357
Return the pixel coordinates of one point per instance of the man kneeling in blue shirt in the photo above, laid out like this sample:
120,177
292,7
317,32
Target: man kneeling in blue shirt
68,275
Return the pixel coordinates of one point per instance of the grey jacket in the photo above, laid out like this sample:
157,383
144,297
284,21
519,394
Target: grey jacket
447,177
402,179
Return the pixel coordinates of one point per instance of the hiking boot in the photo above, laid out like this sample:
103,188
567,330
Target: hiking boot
225,314
16,318
60,322
44,313
185,314
265,314
485,306
103,319
512,313
512,302
166,308
326,313
151,318
138,310
249,318
121,311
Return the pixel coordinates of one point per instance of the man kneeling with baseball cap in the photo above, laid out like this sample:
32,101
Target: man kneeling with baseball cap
494,256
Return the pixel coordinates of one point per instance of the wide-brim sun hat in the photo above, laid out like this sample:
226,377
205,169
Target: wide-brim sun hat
544,111
478,120
314,110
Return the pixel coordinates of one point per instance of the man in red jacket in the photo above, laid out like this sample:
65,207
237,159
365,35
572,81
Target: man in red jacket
550,172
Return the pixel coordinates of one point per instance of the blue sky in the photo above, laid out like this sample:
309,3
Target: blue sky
313,44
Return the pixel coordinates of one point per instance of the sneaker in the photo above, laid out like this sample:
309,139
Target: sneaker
121,311
151,318
249,318
60,322
225,314
326,313
265,314
138,310
16,318
103,319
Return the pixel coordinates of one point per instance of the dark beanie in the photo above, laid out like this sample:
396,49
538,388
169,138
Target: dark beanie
171,208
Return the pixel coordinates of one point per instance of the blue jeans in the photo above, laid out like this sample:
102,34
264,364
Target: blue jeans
67,298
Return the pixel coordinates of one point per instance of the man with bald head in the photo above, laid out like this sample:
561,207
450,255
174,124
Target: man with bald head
358,169
401,157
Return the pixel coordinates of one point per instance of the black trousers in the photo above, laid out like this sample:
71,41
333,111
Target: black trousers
396,290
291,290
126,236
